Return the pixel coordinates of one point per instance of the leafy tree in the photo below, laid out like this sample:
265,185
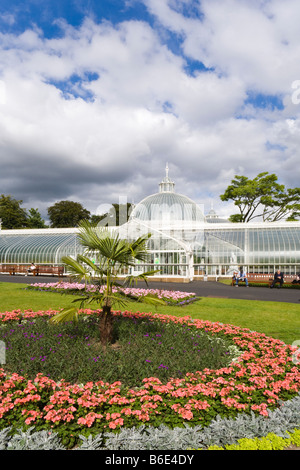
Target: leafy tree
95,219
109,255
35,220
262,197
117,215
67,214
120,212
12,214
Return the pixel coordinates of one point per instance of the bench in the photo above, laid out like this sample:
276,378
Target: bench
265,278
7,268
13,269
54,270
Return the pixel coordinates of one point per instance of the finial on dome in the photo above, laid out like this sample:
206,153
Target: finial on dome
167,170
167,185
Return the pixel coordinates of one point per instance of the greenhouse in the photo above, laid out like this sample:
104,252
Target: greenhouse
40,246
184,244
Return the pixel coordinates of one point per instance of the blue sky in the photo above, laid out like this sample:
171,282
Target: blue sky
46,12
96,97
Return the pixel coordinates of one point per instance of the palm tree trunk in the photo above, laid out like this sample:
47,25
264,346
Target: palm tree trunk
106,326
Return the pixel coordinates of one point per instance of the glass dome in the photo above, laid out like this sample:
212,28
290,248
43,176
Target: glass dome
167,206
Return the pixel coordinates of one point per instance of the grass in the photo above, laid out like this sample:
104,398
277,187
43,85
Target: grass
276,319
13,296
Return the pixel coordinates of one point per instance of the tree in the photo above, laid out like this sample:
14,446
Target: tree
117,215
262,197
110,254
12,214
35,220
67,214
95,219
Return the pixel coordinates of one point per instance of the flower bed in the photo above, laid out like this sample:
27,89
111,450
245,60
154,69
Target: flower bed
170,297
264,375
140,348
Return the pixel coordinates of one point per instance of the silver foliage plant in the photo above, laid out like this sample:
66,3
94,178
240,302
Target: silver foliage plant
30,440
221,431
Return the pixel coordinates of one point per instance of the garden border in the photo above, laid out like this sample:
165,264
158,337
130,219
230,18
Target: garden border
171,297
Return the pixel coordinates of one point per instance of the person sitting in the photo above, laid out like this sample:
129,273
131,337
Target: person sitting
241,276
31,269
279,277
297,280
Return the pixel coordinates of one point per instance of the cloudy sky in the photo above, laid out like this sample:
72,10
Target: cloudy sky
96,96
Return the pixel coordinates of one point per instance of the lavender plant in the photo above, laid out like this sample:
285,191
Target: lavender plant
140,348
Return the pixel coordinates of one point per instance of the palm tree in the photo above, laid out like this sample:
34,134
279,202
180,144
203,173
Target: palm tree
101,264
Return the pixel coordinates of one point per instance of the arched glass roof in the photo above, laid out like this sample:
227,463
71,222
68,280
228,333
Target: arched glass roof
40,246
268,243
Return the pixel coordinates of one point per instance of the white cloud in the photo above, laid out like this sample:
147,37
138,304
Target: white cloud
144,108
7,18
254,41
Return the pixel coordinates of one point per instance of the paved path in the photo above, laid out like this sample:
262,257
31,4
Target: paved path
201,288
218,289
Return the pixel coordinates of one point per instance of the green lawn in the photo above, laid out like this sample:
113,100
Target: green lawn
279,320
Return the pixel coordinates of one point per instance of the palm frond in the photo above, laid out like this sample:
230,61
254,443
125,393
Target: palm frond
132,279
152,300
110,246
98,239
89,235
76,270
90,297
139,248
111,253
148,299
67,314
74,266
